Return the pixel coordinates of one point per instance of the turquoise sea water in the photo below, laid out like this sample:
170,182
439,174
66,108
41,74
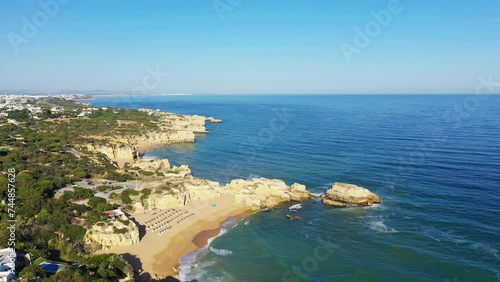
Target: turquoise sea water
434,160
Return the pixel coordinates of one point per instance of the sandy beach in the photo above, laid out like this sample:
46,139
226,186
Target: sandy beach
157,254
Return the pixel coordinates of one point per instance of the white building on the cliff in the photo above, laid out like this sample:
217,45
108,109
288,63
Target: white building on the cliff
7,265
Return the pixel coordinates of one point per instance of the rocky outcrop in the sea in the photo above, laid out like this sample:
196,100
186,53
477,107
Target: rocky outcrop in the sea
112,233
343,194
213,120
261,193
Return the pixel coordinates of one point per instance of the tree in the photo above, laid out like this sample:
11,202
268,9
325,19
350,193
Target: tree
3,186
94,201
75,233
32,272
80,172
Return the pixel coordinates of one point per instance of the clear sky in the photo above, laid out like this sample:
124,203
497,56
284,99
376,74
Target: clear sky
249,46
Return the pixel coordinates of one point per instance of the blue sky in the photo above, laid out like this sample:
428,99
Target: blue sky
249,46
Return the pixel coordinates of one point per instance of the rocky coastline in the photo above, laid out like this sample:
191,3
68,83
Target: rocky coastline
175,188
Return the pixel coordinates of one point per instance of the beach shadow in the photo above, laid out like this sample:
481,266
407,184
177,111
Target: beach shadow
142,228
147,277
136,264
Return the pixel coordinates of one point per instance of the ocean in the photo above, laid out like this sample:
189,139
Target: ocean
433,159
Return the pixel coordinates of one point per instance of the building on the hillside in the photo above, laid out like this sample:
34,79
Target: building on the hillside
7,265
114,213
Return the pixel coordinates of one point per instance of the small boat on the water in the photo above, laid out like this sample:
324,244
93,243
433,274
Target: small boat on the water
292,217
265,210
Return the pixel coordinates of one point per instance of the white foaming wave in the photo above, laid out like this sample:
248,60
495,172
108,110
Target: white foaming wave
295,207
312,221
380,227
317,200
209,241
486,249
444,236
189,261
220,252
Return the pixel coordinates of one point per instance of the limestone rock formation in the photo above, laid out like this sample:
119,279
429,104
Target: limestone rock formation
182,187
152,164
342,194
260,193
213,120
112,233
171,128
115,151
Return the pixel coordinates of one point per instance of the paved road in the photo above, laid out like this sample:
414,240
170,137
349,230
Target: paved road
105,194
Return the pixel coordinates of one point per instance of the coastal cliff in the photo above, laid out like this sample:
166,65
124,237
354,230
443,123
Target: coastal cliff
181,188
112,233
168,128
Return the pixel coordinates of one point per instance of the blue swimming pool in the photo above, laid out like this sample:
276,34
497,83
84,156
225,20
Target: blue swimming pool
50,267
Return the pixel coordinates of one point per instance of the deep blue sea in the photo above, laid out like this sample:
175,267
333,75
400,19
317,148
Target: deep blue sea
434,161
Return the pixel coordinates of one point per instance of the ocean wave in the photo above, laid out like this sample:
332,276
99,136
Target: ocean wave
221,252
380,227
295,207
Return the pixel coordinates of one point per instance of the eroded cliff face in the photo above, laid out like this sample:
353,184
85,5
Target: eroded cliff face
152,164
115,151
159,138
343,194
181,188
112,233
171,128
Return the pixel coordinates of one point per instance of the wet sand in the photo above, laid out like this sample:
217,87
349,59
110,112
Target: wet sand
159,254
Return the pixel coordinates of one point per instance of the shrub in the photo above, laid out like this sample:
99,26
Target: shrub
94,201
120,230
145,193
102,188
32,272
75,233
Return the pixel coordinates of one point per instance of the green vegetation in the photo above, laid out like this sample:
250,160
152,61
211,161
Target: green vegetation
102,268
100,204
120,230
49,154
103,188
145,193
75,233
78,194
32,272
125,196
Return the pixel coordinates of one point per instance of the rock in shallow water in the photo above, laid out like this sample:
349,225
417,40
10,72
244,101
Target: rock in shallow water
342,194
